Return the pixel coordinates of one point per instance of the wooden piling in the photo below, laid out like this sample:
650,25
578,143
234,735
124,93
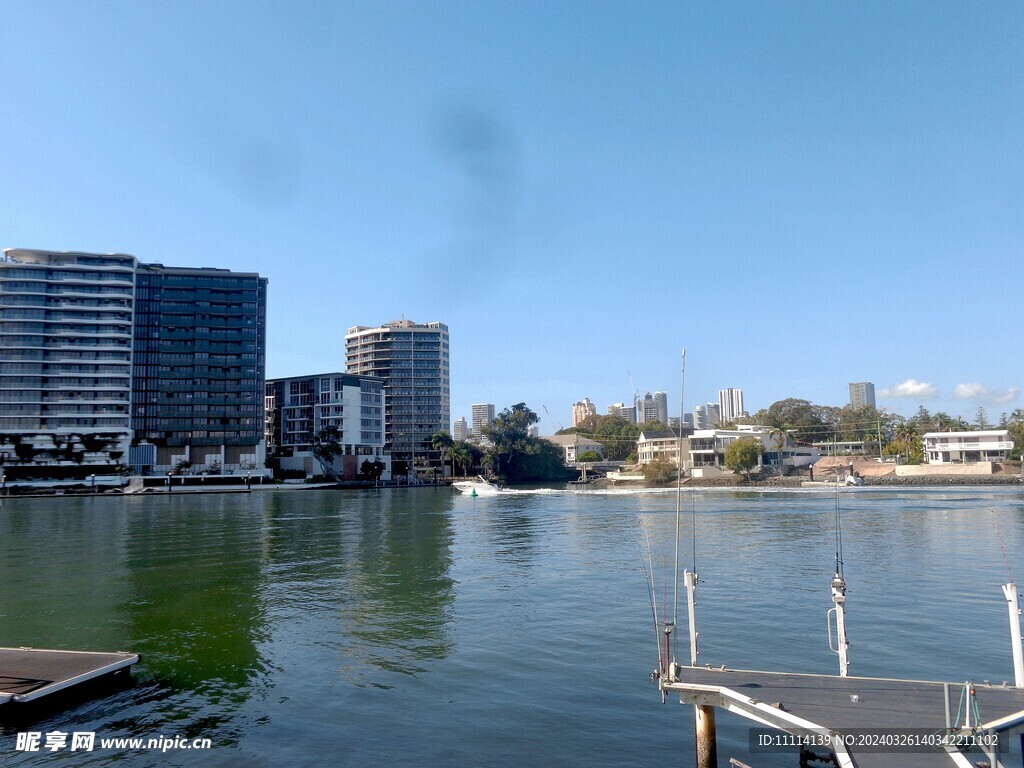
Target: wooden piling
704,733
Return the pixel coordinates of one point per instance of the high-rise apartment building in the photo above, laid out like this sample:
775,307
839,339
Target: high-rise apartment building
714,414
582,411
65,358
646,409
481,415
862,394
730,405
661,404
460,430
199,368
413,361
109,361
623,411
700,417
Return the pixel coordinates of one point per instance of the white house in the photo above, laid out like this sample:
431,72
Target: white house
659,445
705,448
575,445
967,447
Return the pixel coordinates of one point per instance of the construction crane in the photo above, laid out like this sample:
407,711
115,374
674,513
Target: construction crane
553,422
636,394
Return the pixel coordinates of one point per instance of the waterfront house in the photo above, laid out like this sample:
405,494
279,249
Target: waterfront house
967,447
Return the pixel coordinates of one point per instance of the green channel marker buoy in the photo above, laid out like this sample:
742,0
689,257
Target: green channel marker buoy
473,493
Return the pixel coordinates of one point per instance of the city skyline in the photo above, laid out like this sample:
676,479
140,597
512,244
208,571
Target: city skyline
835,175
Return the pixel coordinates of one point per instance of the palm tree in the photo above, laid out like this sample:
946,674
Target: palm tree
778,436
460,454
443,442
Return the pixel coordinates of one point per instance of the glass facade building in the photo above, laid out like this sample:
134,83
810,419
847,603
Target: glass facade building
199,366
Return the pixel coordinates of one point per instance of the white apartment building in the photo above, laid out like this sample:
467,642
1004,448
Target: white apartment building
482,414
700,417
413,361
460,430
582,411
730,405
623,411
65,357
967,447
298,408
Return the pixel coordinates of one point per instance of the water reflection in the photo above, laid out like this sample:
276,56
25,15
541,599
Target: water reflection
396,600
194,604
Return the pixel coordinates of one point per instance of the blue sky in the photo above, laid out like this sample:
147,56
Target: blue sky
802,194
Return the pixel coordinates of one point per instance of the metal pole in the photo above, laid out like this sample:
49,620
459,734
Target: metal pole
690,580
839,598
1010,590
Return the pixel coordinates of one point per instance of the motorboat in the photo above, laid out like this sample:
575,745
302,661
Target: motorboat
478,487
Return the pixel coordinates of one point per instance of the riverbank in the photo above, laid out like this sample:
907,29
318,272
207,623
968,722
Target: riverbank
797,481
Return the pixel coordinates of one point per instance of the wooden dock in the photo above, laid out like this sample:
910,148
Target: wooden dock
803,704
28,674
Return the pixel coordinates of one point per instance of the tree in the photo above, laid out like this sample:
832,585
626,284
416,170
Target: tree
808,421
467,455
588,456
616,434
509,434
906,443
515,454
326,448
777,436
743,454
981,418
658,472
443,442
372,470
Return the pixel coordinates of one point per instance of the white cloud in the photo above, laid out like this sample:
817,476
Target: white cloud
970,391
978,391
1006,396
911,388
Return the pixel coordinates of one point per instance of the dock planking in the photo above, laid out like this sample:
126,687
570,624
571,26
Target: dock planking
800,703
28,674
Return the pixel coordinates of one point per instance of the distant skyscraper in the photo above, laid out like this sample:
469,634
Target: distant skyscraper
661,402
714,414
730,404
623,411
646,409
862,394
583,410
700,417
482,415
461,429
413,360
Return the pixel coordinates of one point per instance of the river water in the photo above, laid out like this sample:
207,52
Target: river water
425,628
